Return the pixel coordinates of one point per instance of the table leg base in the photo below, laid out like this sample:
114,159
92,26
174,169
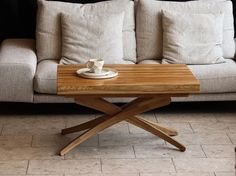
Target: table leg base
115,114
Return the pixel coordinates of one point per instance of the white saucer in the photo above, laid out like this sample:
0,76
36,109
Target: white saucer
106,73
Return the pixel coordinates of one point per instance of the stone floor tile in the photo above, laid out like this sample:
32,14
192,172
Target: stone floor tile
108,174
30,118
64,166
13,167
225,174
137,165
204,164
185,117
101,114
79,119
180,127
101,152
232,127
15,141
37,125
136,130
76,119
160,151
132,139
28,153
203,138
232,137
209,127
5,118
148,116
117,128
219,151
34,175
60,140
175,174
225,117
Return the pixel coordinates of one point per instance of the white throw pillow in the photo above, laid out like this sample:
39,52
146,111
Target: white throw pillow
192,38
149,25
48,31
92,36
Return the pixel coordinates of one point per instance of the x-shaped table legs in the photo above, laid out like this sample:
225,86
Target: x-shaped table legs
116,114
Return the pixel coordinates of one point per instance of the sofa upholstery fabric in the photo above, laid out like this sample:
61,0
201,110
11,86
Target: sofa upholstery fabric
150,62
149,26
48,31
216,78
92,36
17,69
45,80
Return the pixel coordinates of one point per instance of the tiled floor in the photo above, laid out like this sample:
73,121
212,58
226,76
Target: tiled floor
30,139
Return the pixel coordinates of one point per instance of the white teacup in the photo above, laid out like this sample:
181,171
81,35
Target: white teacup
95,65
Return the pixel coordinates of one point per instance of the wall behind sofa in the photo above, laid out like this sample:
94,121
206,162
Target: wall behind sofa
17,17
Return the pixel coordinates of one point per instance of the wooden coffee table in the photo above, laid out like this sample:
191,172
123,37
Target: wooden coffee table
151,85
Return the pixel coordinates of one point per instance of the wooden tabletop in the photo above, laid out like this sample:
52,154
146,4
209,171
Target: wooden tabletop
132,80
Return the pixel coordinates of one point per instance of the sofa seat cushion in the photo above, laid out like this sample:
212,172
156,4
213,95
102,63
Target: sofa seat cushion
17,69
45,80
216,78
151,61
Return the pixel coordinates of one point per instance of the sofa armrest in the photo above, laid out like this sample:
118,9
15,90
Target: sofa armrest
18,64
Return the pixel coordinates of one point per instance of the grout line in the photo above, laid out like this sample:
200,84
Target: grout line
129,128
229,138
134,152
101,164
203,151
155,115
173,164
191,127
27,168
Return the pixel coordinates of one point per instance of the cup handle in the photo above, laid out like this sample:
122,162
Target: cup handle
88,64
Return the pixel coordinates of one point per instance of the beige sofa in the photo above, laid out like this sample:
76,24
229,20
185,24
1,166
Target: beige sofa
25,78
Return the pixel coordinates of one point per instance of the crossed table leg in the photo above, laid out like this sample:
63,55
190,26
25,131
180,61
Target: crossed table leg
116,114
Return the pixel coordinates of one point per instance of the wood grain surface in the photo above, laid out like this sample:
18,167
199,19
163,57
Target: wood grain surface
132,80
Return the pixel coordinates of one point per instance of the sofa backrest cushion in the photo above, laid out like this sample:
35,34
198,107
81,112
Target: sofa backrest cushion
192,39
92,35
149,24
48,29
